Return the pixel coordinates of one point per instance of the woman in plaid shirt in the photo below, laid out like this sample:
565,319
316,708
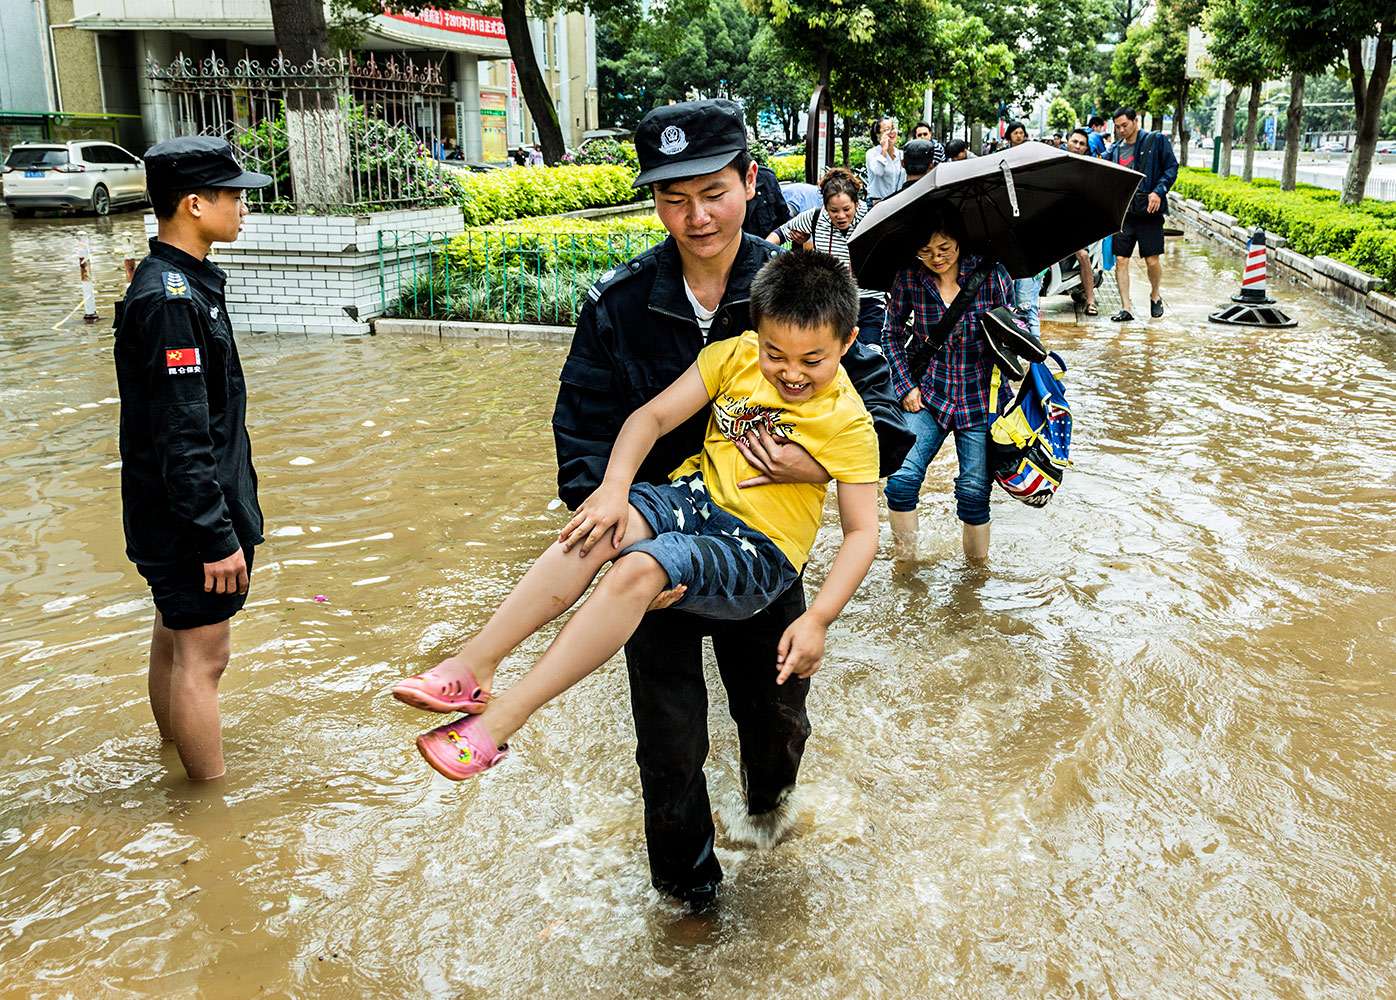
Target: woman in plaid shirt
952,394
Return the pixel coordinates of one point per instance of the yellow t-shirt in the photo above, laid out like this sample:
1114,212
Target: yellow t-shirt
833,426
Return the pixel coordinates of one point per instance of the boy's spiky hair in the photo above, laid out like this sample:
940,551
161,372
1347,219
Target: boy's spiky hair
807,289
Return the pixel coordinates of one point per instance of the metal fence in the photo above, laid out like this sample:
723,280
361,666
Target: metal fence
498,276
337,133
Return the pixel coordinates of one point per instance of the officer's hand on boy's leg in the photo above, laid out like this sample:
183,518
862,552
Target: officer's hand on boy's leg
667,597
226,576
778,460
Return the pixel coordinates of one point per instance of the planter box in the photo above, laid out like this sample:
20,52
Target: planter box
1337,271
1296,262
313,274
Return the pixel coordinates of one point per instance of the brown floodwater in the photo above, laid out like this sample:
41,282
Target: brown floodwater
1146,753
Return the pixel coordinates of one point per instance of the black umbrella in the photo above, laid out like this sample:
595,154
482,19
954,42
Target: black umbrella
1026,208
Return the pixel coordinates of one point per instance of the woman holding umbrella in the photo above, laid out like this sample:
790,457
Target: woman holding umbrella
828,229
952,394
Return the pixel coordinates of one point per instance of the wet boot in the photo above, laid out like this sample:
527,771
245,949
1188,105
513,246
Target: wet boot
905,529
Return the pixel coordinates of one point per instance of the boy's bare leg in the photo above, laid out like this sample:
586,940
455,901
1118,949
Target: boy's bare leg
1122,279
552,585
158,680
200,655
592,636
975,539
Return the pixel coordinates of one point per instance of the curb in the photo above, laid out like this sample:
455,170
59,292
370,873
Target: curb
435,329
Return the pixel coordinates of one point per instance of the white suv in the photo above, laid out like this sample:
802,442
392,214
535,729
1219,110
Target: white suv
82,174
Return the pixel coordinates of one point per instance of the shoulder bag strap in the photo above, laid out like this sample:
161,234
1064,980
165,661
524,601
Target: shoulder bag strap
937,335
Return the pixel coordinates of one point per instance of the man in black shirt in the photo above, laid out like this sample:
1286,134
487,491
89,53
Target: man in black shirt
188,490
641,326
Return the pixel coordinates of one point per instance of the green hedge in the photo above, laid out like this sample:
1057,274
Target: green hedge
527,191
1310,218
789,168
592,244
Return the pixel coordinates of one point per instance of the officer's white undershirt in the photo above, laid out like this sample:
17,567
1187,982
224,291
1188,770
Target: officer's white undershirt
705,316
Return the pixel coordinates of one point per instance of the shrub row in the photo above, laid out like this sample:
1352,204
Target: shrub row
516,193
593,245
1311,218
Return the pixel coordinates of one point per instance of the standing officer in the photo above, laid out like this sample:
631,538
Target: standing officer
188,489
640,327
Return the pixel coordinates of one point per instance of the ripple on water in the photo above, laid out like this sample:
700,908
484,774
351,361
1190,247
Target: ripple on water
1144,754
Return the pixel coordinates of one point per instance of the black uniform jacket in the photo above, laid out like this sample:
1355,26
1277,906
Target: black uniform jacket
637,333
188,490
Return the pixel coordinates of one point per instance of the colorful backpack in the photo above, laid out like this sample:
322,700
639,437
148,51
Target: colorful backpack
1030,442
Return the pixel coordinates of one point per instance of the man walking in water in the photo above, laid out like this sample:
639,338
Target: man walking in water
1151,154
641,326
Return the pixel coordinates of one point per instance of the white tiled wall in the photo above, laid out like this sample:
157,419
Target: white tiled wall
297,273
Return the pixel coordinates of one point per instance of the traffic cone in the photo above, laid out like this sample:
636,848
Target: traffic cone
1254,307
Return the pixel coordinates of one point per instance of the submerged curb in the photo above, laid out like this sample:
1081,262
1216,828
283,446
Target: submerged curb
1333,279
435,329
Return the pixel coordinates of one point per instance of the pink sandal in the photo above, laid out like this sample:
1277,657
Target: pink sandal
434,692
461,749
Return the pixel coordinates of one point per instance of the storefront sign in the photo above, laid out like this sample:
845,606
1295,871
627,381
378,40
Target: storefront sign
460,21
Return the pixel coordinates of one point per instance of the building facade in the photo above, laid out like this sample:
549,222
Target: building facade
91,60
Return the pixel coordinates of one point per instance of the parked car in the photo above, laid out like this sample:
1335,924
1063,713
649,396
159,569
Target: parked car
1332,147
1387,146
83,174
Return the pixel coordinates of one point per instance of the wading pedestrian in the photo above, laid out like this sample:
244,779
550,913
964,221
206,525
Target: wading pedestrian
188,490
1151,154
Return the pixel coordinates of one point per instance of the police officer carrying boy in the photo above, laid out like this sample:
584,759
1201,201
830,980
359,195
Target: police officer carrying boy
641,326
188,489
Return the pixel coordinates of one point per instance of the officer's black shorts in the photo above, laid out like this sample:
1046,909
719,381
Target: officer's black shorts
1146,230
181,599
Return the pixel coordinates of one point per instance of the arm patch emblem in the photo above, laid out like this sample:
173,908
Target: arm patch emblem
176,287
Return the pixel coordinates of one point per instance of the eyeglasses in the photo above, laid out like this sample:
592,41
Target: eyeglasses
942,254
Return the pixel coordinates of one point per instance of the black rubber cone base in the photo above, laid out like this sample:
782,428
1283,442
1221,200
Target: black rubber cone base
1253,315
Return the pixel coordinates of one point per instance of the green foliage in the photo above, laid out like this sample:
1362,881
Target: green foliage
789,168
526,271
511,194
1312,219
605,152
1050,40
1061,116
970,66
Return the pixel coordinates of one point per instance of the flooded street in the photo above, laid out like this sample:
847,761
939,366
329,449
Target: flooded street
1147,753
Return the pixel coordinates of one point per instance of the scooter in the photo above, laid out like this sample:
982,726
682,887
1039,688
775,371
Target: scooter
1064,277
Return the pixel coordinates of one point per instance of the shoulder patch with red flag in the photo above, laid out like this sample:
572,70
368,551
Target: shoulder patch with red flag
182,361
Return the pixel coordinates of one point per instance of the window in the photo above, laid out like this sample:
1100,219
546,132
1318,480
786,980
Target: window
36,157
119,156
94,154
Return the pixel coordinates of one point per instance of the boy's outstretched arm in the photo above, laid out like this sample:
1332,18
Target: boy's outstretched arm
609,505
801,648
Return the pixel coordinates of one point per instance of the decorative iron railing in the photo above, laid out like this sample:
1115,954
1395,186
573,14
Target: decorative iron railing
342,133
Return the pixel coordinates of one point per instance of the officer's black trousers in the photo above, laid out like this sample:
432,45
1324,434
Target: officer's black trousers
669,699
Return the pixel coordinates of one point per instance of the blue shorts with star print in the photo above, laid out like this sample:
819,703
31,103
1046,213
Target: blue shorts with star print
731,570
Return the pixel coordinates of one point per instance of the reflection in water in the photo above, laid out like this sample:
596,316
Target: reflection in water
1142,754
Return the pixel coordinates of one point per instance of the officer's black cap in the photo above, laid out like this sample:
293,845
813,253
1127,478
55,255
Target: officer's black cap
197,161
679,141
917,156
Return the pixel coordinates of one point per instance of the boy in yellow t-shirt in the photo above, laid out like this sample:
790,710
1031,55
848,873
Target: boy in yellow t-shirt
731,551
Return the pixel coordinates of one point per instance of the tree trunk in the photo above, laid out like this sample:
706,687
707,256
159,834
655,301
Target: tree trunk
1294,131
1228,129
531,82
847,125
1252,122
317,137
1367,95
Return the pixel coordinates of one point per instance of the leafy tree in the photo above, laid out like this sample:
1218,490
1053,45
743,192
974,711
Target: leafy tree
1050,40
1236,54
776,85
969,67
1061,116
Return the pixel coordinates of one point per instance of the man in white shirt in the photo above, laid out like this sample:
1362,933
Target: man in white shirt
886,174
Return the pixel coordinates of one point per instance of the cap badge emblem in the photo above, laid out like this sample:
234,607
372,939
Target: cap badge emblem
672,140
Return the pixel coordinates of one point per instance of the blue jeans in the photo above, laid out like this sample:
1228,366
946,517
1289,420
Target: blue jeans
971,485
1026,292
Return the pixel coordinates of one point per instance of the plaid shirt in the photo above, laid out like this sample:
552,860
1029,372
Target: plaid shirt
956,385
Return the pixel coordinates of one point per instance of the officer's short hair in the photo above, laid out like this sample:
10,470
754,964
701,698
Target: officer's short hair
741,163
807,289
164,201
